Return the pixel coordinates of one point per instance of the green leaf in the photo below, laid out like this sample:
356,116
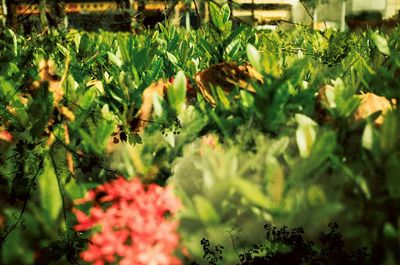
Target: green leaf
225,13
368,138
89,143
77,41
15,42
63,50
247,98
254,57
363,185
223,98
50,197
75,190
105,128
177,92
88,98
276,179
251,192
381,43
155,70
390,231
207,47
114,59
157,105
316,195
215,15
172,58
389,133
305,134
220,16
205,210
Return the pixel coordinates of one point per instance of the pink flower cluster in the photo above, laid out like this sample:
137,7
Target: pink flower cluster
133,228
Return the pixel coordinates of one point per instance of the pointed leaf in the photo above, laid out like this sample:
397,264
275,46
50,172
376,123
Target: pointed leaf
254,57
381,43
177,92
251,192
205,210
50,198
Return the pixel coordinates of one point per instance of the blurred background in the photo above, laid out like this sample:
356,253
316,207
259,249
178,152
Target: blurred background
130,15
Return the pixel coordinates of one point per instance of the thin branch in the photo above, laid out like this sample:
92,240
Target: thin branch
233,242
307,10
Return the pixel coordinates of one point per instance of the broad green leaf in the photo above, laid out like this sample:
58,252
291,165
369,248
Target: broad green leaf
305,134
233,48
106,127
381,43
157,105
207,47
205,210
88,98
390,231
251,192
254,57
316,195
216,15
177,92
247,99
368,137
155,70
389,133
77,41
88,142
223,98
363,185
276,179
170,139
225,13
63,50
114,59
141,58
172,58
50,197
15,42
75,190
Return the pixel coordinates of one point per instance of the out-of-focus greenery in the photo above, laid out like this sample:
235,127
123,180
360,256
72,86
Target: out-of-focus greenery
269,157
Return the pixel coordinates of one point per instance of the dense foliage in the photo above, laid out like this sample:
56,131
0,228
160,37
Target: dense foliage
286,153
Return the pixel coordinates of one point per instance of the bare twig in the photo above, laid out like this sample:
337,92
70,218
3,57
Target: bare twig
307,10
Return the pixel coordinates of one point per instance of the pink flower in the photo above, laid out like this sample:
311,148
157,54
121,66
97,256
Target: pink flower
130,222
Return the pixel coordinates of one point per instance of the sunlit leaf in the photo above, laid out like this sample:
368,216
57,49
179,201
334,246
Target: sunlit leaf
381,43
205,210
254,57
50,197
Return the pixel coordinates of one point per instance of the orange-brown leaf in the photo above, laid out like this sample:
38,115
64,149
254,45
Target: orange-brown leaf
227,76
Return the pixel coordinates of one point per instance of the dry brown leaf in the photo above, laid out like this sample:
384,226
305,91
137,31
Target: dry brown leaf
47,74
68,114
145,110
371,103
227,76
